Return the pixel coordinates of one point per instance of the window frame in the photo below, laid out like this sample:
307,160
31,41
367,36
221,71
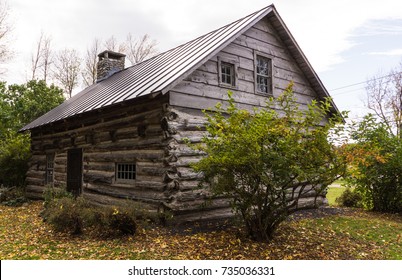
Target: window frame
49,173
270,87
129,179
234,65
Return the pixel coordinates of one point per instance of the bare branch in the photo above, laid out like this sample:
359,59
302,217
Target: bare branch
90,60
67,69
5,30
41,59
111,44
140,49
379,98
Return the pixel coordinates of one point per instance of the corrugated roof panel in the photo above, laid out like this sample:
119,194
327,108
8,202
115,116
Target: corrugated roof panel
150,76
158,74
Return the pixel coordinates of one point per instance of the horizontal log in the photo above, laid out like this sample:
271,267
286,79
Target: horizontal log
193,195
311,202
185,173
127,193
143,185
189,185
35,174
35,181
128,144
60,176
34,191
99,177
125,156
184,150
202,215
103,166
103,200
190,139
187,161
198,205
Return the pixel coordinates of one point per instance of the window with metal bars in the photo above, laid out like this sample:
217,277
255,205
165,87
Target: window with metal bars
49,168
125,172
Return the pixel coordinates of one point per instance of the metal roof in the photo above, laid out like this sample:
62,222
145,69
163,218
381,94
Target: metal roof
162,72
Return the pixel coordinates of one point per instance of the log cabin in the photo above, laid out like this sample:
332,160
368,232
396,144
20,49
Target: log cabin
125,137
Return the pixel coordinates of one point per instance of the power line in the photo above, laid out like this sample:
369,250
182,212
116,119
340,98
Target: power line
360,83
348,91
352,85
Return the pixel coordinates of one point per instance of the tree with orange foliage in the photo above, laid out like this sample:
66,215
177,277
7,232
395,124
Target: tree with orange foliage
375,164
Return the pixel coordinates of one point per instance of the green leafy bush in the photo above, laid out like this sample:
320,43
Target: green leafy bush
19,105
14,155
350,198
266,160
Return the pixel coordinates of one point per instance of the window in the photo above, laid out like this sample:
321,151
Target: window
263,74
227,75
49,168
125,172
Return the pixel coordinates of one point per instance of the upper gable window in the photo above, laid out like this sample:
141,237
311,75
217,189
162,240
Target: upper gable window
227,72
263,74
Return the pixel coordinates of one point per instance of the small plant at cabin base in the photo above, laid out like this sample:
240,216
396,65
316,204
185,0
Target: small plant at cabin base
73,215
14,196
123,222
267,160
65,214
70,214
51,193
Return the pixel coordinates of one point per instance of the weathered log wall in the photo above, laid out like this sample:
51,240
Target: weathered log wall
123,134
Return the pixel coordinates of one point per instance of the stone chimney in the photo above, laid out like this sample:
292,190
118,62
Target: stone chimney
109,63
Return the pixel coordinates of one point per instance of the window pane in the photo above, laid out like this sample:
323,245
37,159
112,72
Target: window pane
227,73
263,74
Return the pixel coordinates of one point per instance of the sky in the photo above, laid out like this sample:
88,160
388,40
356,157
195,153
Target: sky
346,41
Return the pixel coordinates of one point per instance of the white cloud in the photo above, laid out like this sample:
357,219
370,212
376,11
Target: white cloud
323,29
394,52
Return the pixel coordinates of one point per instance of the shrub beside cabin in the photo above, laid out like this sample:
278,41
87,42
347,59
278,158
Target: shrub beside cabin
126,136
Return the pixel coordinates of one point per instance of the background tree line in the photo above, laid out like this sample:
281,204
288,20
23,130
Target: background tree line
68,69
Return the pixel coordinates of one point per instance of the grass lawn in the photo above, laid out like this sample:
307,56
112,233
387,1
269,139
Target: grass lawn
353,235
333,193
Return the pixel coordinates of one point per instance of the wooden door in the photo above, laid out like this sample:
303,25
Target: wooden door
74,171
